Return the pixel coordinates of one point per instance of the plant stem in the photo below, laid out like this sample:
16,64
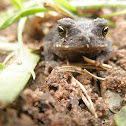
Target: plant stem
20,31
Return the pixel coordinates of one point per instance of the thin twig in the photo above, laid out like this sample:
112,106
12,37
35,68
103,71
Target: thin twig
79,70
94,76
90,107
87,99
86,66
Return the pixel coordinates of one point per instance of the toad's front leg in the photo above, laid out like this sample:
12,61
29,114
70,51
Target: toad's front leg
50,62
105,54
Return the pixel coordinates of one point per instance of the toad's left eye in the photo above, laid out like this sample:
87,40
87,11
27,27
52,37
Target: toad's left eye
105,31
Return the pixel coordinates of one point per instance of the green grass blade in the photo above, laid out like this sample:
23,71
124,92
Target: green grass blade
65,4
25,12
67,12
2,67
95,4
123,12
14,78
18,3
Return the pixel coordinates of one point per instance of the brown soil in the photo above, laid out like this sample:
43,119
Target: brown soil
54,100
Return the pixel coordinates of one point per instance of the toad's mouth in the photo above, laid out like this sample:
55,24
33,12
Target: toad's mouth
64,47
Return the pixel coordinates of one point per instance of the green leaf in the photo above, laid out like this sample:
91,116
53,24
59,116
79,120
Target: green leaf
18,3
120,118
25,12
66,5
2,67
14,78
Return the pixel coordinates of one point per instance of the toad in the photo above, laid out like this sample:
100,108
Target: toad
71,39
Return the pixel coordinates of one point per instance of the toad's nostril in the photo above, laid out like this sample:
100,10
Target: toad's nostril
85,41
88,40
87,45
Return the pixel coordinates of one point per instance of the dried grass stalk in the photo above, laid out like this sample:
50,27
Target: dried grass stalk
86,98
79,70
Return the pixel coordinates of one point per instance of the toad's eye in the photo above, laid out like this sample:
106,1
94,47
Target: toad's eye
105,31
61,30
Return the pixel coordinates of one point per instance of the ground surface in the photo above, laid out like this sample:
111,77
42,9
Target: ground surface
54,100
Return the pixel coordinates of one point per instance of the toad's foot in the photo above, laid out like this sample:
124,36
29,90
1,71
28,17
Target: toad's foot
97,63
49,65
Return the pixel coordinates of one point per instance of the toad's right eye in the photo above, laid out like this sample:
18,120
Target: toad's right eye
61,30
105,31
